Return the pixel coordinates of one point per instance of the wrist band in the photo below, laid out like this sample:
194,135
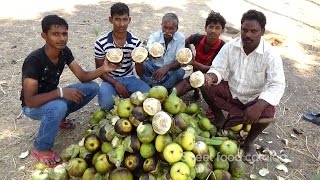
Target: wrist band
61,92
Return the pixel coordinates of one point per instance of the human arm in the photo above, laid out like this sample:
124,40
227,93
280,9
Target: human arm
85,76
139,67
199,67
165,69
275,80
219,67
195,41
121,90
33,99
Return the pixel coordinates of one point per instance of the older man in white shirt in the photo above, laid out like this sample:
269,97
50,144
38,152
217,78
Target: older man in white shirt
246,79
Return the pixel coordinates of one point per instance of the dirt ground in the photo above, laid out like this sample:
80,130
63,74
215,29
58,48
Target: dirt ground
293,27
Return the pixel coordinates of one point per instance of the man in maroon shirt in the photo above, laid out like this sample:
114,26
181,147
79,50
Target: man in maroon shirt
207,47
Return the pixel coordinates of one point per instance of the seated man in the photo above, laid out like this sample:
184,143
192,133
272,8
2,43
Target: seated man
256,80
42,100
207,47
122,81
166,70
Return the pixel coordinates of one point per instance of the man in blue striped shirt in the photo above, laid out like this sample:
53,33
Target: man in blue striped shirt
122,81
166,70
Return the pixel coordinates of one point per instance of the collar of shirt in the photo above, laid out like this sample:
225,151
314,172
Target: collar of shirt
214,46
174,38
128,40
260,49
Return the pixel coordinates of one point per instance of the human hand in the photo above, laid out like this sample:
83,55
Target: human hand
208,80
122,91
192,62
109,66
73,94
160,73
252,114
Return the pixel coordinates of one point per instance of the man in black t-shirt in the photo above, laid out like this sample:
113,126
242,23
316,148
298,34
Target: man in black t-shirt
41,97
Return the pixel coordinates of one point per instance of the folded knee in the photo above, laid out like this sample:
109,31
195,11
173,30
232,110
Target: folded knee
58,108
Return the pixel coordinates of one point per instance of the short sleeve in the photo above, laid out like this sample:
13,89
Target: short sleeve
99,53
30,68
152,38
195,39
68,55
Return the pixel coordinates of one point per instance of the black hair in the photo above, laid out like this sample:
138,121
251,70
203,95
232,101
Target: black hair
119,9
215,17
49,20
255,15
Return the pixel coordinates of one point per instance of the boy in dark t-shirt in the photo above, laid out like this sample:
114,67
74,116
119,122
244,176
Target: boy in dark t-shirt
41,97
207,47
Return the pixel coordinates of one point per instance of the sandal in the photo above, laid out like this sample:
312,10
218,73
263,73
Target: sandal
312,117
44,159
67,124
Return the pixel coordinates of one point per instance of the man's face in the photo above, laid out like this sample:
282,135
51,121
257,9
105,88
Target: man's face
251,33
168,29
120,22
57,36
213,31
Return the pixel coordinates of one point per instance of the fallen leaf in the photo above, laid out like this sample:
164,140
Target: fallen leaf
280,178
282,167
263,172
21,168
270,152
285,141
253,176
294,136
81,143
257,146
24,154
284,160
297,131
243,133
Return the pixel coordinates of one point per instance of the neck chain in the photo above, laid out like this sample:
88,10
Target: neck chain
115,43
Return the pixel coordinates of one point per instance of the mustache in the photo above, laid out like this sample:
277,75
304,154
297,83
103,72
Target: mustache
247,39
169,34
210,34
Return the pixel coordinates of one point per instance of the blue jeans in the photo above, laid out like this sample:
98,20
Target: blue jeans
132,83
169,80
51,114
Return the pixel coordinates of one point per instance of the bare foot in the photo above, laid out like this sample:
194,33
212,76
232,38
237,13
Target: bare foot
47,157
250,153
